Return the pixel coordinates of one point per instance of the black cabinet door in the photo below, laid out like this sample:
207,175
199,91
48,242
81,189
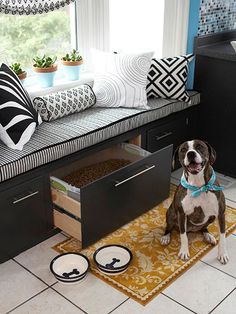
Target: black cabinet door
26,215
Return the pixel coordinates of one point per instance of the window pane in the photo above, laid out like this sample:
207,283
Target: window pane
24,37
136,25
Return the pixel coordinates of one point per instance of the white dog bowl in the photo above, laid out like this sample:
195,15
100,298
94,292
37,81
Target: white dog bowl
233,44
70,267
112,259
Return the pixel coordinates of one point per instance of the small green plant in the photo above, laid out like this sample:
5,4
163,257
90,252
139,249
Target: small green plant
44,62
16,67
73,56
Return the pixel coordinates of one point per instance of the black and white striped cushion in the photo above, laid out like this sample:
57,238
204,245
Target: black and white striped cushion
18,118
70,134
167,78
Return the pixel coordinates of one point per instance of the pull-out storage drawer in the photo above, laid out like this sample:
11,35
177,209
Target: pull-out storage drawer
161,136
104,205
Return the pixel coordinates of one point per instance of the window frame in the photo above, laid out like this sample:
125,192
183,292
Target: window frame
93,27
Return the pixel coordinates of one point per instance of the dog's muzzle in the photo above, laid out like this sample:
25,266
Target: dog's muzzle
194,164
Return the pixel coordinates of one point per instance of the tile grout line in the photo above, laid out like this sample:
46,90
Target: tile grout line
218,269
68,299
118,306
222,300
31,273
178,303
228,199
53,284
35,295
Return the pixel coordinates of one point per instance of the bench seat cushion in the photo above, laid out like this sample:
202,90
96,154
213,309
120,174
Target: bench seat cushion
59,138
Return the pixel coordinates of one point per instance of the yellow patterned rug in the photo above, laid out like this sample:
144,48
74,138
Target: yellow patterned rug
154,267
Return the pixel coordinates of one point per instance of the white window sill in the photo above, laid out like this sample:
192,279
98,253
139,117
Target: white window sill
59,84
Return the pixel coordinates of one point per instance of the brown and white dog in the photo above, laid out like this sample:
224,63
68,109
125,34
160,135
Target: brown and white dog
188,213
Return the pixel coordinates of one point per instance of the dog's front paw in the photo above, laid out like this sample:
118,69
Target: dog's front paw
165,240
209,238
223,257
184,254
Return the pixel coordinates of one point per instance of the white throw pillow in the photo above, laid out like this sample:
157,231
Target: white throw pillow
121,79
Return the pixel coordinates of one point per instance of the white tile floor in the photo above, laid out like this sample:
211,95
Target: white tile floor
26,285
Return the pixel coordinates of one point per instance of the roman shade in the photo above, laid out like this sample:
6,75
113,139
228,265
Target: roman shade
32,7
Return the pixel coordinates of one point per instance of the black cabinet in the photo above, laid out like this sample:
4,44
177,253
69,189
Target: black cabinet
215,78
26,216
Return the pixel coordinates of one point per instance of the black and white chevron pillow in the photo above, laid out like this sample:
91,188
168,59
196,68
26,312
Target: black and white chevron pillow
63,103
18,118
167,78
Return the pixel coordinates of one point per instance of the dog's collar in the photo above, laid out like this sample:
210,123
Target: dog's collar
208,187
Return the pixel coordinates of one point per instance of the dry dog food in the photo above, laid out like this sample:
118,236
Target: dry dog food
88,174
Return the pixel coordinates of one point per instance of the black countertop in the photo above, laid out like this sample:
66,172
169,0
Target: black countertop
222,50
216,46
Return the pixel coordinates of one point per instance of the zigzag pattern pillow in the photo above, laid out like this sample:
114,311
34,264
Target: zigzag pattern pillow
18,118
64,103
167,78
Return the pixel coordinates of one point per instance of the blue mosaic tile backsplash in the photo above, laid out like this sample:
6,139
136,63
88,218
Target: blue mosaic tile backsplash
216,16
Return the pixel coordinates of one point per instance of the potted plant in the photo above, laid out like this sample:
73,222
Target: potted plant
16,67
72,64
45,69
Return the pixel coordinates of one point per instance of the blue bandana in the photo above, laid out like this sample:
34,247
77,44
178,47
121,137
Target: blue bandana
198,190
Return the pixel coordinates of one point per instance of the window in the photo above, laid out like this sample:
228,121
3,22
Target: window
24,37
136,25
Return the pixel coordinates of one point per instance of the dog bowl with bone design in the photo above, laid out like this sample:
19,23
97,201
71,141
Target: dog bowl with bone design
112,259
70,267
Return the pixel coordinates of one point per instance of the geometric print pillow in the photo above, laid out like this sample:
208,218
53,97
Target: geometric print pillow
18,118
167,78
64,103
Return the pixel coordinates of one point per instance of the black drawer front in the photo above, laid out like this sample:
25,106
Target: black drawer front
172,133
26,215
116,199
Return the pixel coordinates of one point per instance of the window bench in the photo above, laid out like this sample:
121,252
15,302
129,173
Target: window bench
26,203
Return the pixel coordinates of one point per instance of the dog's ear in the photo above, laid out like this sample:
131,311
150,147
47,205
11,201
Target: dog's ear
212,153
175,156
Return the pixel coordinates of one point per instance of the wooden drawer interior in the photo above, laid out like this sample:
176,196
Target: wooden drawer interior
68,224
64,201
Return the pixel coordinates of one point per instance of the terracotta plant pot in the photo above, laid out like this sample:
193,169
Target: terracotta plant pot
22,76
72,69
46,76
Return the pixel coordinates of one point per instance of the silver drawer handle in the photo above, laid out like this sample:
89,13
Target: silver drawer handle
25,197
158,138
135,175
